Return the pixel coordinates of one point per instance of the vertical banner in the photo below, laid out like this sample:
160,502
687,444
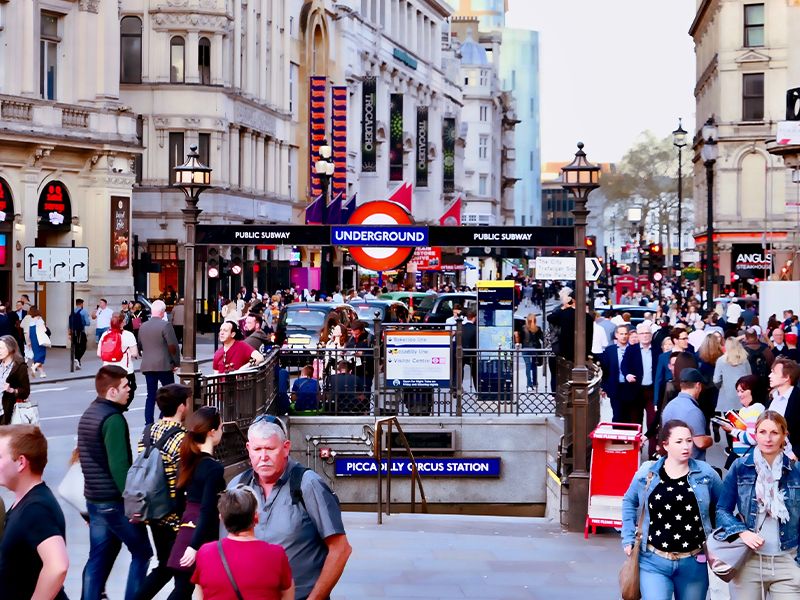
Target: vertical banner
316,129
422,146
449,154
369,155
339,140
396,137
120,232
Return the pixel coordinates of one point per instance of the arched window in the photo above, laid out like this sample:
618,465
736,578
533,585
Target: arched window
204,60
177,59
130,50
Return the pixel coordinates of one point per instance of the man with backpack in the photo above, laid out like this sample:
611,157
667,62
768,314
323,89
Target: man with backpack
287,492
760,358
105,451
158,491
119,347
78,322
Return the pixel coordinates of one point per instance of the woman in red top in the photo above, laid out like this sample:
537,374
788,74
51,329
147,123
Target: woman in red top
260,571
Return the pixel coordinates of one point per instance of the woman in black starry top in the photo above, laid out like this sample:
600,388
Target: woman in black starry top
677,493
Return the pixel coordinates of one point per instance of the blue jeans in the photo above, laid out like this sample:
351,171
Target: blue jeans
153,378
530,369
108,526
660,578
98,332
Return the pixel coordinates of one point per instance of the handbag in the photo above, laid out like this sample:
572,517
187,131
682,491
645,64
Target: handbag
41,337
629,573
228,570
726,558
25,413
71,488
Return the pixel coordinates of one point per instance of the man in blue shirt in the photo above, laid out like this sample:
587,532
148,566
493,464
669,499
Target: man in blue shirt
684,407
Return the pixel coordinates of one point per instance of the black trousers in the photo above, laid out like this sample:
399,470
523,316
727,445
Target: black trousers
79,343
163,539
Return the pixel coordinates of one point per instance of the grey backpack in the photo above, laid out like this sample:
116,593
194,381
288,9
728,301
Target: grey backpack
146,496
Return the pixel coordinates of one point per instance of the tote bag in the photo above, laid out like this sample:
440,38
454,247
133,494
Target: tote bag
25,413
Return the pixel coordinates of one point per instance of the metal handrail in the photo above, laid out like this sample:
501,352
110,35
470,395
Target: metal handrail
378,453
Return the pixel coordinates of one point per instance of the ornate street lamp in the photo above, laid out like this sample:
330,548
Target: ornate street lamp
193,177
579,178
679,141
324,169
709,153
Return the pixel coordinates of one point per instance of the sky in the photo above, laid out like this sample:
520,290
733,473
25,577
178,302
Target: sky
609,70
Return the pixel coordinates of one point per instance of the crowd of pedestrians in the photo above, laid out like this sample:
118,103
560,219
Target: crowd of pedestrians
694,379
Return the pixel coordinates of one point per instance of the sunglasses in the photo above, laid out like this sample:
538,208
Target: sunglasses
271,419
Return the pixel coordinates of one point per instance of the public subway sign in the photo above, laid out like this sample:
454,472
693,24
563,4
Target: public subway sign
352,466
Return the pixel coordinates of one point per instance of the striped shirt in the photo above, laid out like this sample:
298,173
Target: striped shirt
171,457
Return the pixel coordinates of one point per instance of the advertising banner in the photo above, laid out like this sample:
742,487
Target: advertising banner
396,137
361,466
316,128
6,206
418,359
751,260
368,109
120,241
427,258
495,314
422,146
338,141
449,154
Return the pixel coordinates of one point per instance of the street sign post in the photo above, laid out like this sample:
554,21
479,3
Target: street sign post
563,268
62,265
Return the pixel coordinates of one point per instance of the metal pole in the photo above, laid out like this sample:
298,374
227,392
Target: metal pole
71,310
710,235
680,206
579,478
190,372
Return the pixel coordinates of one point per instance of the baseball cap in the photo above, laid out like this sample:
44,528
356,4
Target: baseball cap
692,376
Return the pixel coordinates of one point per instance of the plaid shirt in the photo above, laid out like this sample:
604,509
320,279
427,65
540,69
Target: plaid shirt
171,457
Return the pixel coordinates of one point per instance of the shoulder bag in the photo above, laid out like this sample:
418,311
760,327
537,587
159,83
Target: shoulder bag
228,570
629,573
726,558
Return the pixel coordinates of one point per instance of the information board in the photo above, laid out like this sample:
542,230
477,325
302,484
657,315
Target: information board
563,268
56,264
418,358
361,466
496,314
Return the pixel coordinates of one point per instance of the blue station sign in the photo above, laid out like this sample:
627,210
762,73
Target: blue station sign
361,466
382,236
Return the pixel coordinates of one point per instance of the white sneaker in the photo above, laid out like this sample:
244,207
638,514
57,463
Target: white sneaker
77,364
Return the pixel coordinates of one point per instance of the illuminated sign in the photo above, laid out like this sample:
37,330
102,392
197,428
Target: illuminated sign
6,205
383,258
55,209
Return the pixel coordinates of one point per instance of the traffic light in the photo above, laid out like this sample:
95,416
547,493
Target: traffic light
212,263
657,258
645,262
236,260
591,245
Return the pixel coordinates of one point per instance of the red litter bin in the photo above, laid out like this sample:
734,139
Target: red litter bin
616,454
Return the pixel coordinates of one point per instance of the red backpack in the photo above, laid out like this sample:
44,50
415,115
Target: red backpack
111,347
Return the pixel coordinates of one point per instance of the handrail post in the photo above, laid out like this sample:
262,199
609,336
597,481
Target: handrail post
377,350
389,471
378,451
459,382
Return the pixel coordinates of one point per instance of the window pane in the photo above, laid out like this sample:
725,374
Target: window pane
49,25
755,36
754,84
131,68
203,145
754,14
131,26
51,58
175,153
176,60
204,61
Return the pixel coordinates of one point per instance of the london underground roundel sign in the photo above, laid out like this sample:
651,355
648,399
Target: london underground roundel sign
380,212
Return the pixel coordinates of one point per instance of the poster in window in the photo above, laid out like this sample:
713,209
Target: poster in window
120,232
396,137
55,208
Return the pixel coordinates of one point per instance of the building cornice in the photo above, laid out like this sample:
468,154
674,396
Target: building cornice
708,72
700,16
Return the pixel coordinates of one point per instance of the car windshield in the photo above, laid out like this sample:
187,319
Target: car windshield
306,318
426,303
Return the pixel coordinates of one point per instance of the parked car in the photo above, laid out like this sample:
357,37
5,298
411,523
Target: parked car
389,311
299,323
442,308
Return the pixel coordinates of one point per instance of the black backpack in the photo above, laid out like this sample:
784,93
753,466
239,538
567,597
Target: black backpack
758,362
76,321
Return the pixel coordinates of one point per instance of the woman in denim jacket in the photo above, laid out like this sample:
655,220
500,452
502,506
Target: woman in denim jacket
764,487
677,518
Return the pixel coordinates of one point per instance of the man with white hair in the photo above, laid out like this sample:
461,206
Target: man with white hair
287,493
639,369
160,355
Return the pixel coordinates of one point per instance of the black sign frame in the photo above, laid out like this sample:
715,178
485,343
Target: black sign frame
55,199
369,106
422,147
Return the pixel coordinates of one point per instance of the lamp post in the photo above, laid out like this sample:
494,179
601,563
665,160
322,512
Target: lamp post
192,177
324,169
679,141
579,178
709,153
